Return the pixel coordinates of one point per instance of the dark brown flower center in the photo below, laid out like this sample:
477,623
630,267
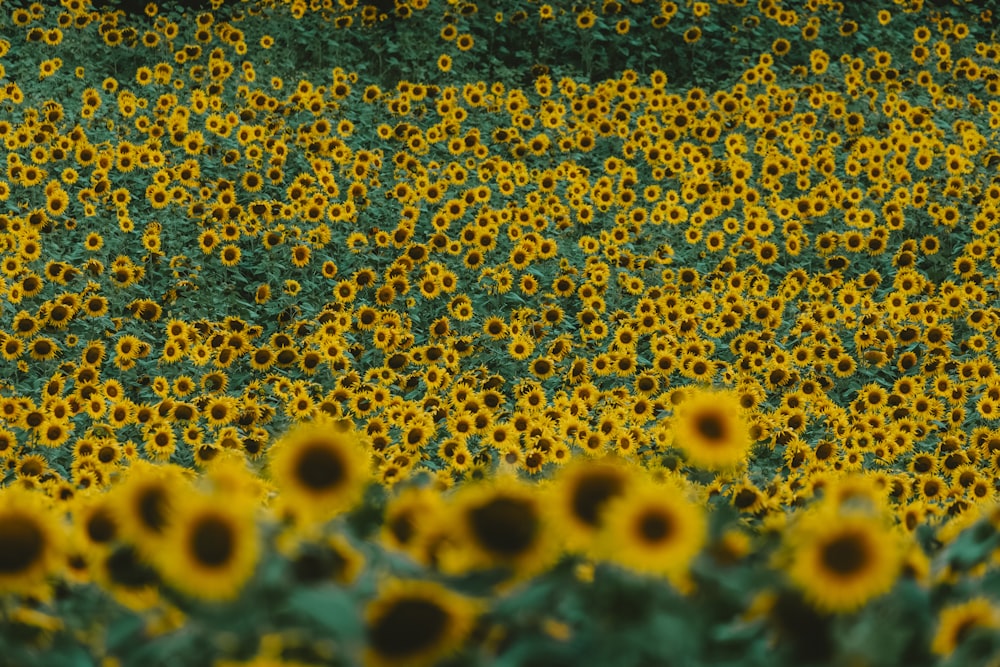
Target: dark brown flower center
710,427
655,526
408,628
320,468
152,506
21,544
505,526
592,492
212,541
845,554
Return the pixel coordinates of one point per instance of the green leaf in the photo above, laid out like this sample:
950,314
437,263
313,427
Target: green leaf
972,546
329,607
120,634
72,655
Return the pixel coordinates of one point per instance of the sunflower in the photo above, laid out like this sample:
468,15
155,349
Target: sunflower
709,429
499,524
29,541
528,284
8,444
95,306
160,442
957,621
409,518
230,255
586,19
495,327
333,558
653,528
300,255
414,623
144,503
53,432
320,467
42,348
12,348
210,548
580,495
345,291
126,575
94,520
841,560
25,324
520,348
542,368
220,411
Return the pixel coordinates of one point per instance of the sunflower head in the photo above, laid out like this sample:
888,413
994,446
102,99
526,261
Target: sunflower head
709,429
411,520
580,495
500,523
128,577
957,622
840,559
654,528
320,468
144,503
331,559
229,475
95,521
29,541
211,547
416,623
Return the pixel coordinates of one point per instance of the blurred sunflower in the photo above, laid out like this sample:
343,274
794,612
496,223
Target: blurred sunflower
841,560
581,493
29,541
333,558
709,429
144,503
320,468
94,519
210,547
414,623
654,529
958,621
126,575
502,524
408,519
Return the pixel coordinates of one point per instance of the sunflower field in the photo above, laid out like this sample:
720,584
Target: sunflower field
439,332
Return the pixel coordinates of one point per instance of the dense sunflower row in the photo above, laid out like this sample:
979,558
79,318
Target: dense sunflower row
366,335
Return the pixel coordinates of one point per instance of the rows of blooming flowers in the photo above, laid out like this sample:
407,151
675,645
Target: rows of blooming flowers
425,333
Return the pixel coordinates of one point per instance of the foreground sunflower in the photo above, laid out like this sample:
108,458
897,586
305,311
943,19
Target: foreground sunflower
143,504
127,577
29,542
333,558
958,621
211,548
840,560
320,468
708,428
415,623
580,495
654,529
95,522
409,518
498,524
